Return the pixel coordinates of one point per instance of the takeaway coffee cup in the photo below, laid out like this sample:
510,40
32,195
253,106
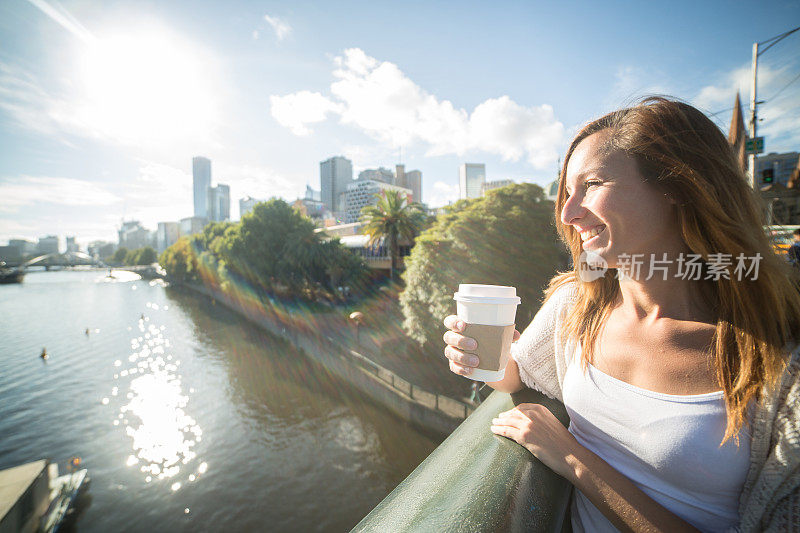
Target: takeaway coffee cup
488,311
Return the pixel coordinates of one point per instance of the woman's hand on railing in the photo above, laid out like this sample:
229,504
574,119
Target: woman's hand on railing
537,429
461,363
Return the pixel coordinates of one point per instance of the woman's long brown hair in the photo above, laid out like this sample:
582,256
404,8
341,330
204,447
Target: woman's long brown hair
682,153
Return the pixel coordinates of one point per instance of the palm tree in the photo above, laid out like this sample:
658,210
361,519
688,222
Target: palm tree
392,218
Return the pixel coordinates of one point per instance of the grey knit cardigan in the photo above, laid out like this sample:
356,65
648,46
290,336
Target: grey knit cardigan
770,499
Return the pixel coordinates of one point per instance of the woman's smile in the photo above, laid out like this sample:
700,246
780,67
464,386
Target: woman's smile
589,234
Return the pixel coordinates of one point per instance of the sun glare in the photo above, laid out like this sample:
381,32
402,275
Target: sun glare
146,87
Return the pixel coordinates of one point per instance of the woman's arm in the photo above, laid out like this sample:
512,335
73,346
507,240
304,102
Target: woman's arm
622,502
511,381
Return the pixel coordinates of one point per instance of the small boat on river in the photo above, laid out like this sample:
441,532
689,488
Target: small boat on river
10,275
33,497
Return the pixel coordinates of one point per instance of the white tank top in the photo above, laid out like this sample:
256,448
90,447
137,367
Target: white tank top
667,445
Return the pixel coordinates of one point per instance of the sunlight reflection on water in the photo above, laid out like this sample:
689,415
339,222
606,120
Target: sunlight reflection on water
119,276
163,435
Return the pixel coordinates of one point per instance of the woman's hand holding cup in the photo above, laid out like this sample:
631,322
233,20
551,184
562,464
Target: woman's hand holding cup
461,363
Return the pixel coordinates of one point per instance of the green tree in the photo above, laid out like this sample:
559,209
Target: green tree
391,219
180,261
147,256
505,238
119,255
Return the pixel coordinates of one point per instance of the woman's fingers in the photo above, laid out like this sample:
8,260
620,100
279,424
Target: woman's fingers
505,431
461,370
457,356
459,341
454,323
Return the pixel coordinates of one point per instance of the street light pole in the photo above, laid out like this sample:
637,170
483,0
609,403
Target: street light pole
751,158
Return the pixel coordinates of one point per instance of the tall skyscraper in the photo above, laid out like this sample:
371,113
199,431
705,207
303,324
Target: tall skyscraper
411,179
471,178
218,207
201,177
414,182
334,176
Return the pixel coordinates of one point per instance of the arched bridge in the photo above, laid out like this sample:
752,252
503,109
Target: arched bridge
68,259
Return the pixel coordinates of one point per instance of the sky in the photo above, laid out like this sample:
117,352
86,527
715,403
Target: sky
103,104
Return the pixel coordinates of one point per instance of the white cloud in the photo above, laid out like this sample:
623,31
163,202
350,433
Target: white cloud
378,98
255,34
723,93
24,191
257,181
443,194
280,26
159,193
780,116
295,111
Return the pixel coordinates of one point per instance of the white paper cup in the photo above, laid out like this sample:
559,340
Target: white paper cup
490,305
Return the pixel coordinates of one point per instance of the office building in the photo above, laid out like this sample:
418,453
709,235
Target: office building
409,180
192,225
72,246
167,234
414,183
335,174
489,185
782,166
362,193
10,254
25,247
377,174
101,249
311,205
218,203
201,178
47,245
132,235
247,204
471,177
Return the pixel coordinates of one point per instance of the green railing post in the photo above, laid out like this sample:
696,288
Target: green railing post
476,481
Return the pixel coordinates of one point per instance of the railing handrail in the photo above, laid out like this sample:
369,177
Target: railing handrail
478,482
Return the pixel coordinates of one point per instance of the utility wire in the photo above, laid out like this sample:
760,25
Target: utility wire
782,88
774,40
770,99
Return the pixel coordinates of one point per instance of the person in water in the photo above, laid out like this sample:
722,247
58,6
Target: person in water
677,364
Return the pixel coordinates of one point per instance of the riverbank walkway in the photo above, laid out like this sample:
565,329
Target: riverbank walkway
378,359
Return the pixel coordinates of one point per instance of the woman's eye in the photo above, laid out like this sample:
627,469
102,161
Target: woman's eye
593,183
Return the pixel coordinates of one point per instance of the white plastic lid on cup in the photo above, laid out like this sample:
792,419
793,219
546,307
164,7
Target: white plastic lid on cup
486,294
493,305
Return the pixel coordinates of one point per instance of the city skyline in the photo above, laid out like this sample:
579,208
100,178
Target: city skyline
102,106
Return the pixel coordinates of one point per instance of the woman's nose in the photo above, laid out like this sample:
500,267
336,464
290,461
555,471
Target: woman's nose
572,210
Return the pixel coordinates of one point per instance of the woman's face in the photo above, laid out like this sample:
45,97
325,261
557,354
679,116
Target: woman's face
613,209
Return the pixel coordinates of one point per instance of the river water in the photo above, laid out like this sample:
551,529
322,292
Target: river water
187,417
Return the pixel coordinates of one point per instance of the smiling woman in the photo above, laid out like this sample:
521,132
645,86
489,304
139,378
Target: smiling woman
146,86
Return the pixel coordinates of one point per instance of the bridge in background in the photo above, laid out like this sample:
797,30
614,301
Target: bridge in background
65,260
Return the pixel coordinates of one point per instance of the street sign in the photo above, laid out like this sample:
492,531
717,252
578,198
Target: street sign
754,146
